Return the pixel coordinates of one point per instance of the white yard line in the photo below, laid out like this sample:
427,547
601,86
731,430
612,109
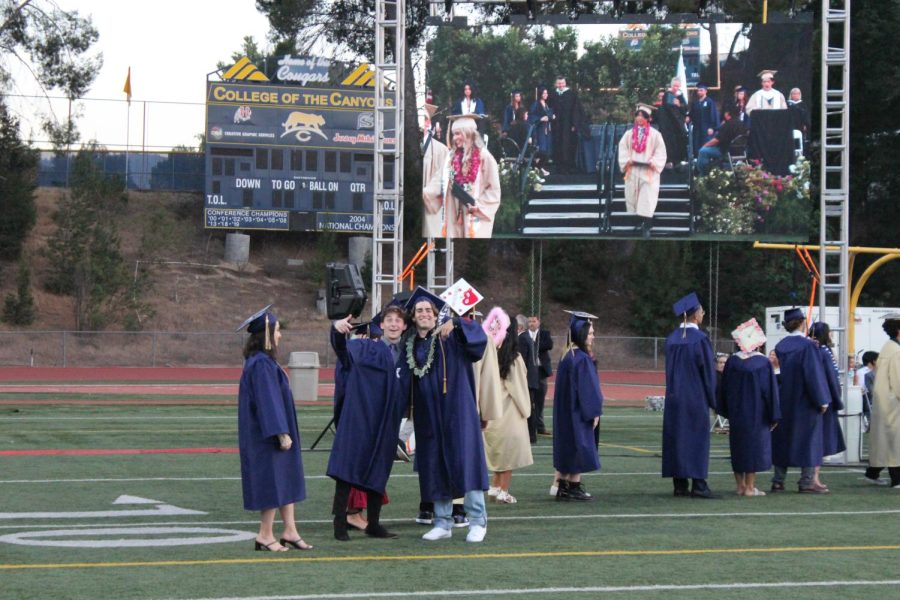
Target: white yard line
582,590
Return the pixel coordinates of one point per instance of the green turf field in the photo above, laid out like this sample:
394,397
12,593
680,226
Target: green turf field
635,541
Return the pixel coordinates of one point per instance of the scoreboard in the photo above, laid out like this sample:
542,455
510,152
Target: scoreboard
296,157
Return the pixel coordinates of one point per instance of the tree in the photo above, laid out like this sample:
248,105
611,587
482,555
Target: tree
18,309
84,252
18,165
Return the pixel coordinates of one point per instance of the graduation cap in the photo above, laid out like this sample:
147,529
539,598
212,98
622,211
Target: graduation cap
792,314
687,305
259,321
645,108
422,294
577,321
461,296
892,317
766,74
739,88
749,335
430,110
702,86
463,121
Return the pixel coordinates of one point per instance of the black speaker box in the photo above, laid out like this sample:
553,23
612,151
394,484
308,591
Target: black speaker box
345,293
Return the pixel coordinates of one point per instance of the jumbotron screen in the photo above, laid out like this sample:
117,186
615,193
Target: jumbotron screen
682,131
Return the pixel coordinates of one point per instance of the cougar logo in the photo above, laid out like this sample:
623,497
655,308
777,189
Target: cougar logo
304,124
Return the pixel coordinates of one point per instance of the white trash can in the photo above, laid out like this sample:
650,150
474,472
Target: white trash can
304,375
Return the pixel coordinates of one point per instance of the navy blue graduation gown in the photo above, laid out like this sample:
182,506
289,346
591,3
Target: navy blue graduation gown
270,477
797,441
748,398
832,436
577,400
449,446
690,394
369,402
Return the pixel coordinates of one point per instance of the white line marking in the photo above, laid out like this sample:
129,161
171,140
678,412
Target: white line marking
166,510
393,476
40,538
592,589
492,517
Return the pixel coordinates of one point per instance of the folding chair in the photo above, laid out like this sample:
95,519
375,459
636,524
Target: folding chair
737,151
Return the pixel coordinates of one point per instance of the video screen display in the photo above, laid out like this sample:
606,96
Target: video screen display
682,131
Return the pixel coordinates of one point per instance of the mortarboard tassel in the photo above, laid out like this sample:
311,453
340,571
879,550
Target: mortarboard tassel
268,341
684,326
443,360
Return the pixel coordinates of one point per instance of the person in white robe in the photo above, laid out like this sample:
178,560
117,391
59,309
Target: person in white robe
642,157
767,97
472,168
434,157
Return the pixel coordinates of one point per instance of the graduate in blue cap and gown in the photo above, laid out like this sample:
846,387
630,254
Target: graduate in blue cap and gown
797,441
268,437
690,395
832,436
371,393
577,406
748,398
450,455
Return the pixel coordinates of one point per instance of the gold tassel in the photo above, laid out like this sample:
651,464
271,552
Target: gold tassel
268,342
684,326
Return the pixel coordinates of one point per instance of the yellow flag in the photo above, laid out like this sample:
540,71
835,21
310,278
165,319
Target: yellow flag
127,88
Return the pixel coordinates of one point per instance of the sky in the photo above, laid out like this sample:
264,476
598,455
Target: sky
170,46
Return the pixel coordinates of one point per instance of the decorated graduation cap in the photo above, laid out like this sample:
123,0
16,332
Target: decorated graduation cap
647,109
261,320
766,74
461,297
495,325
578,320
792,314
749,335
422,294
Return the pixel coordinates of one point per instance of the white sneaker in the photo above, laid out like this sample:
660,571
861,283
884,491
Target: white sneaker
493,493
476,533
553,490
506,498
871,481
438,533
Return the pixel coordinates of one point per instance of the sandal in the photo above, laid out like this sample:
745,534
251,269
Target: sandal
297,544
258,545
755,492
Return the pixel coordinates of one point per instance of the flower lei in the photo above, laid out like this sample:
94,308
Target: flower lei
639,142
411,357
465,174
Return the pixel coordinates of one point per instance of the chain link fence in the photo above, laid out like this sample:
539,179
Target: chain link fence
183,349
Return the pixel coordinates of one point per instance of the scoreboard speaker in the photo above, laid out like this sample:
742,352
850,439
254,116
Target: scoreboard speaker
345,291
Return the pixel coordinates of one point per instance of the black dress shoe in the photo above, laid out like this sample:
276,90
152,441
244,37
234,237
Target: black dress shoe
426,517
377,531
777,486
340,529
578,493
681,493
704,493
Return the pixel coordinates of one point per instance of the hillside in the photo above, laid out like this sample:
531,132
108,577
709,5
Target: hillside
194,290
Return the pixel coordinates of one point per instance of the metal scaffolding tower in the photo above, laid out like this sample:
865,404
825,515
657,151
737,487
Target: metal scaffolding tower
387,238
834,229
437,280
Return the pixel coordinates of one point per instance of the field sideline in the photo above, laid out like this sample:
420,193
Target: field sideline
145,503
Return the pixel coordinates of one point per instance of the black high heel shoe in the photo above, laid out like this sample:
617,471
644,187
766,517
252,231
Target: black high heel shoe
258,545
297,544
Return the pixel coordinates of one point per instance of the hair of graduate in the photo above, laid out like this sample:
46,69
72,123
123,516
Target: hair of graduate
869,357
558,77
394,309
579,340
793,324
256,342
819,332
509,351
641,111
891,328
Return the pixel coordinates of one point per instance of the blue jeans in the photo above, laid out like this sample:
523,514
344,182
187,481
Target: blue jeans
473,501
706,157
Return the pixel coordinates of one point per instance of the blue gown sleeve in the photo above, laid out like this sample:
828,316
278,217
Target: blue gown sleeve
772,399
268,401
708,371
721,396
470,337
816,388
590,399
